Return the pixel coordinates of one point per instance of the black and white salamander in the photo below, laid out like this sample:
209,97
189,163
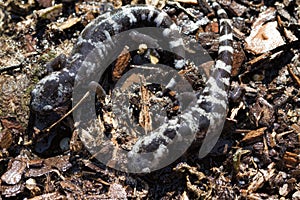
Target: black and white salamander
51,97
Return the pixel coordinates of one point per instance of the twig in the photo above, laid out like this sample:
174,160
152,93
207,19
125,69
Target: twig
69,112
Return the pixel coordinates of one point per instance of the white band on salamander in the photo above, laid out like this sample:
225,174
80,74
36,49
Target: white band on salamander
225,37
225,48
222,65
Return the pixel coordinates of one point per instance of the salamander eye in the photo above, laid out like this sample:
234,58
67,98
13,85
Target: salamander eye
47,108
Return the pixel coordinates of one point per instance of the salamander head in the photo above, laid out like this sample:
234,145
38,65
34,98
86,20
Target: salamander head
51,99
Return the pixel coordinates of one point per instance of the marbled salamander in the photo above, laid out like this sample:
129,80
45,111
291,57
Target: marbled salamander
51,97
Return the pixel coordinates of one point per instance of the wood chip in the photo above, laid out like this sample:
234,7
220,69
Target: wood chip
11,190
48,165
5,139
296,128
237,8
195,2
35,163
45,3
262,112
291,159
69,186
239,57
53,195
264,39
262,36
51,12
145,118
291,69
157,3
296,195
121,63
117,191
254,136
14,173
69,23
261,178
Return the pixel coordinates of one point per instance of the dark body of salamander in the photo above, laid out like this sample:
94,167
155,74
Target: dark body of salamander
51,97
